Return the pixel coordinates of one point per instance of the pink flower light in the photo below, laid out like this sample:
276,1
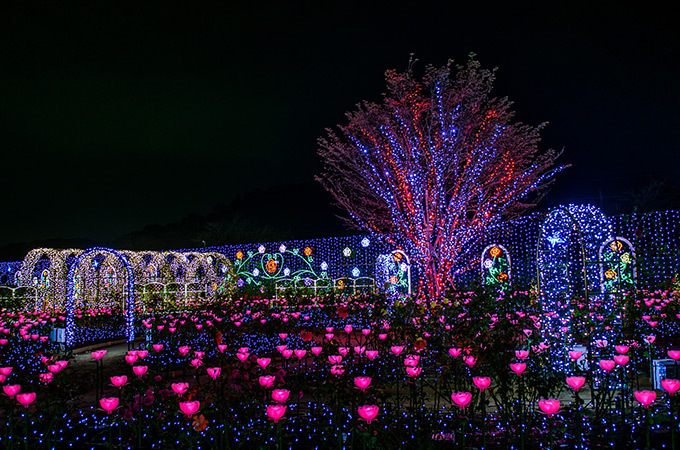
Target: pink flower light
621,360
607,365
120,381
368,412
180,388
109,404
461,399
317,350
549,406
670,385
575,355
396,349
276,412
518,368
414,371
157,347
622,349
26,399
482,383
522,354
99,354
362,382
280,395
645,398
266,380
576,383
140,370
214,372
11,390
455,352
263,362
674,355
190,408
371,354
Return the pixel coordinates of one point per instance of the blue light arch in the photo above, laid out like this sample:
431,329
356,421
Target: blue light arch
130,297
568,255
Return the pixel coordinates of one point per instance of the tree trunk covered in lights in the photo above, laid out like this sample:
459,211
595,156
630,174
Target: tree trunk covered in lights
433,165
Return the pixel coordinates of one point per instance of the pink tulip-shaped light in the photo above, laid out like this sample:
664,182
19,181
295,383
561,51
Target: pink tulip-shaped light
280,395
622,349
518,368
11,390
371,354
470,360
397,349
670,385
455,352
335,359
461,399
266,380
621,360
362,382
276,412
414,371
140,370
576,383
645,398
263,362
522,354
368,412
300,353
674,355
26,398
157,347
482,383
6,371
180,388
607,365
99,354
575,354
549,406
109,404
214,372
190,408
317,350
120,381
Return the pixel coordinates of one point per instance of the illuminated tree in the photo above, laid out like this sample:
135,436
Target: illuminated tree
434,165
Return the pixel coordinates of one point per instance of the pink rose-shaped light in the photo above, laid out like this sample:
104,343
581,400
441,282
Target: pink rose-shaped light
645,398
576,383
397,349
518,368
26,399
670,385
214,372
362,382
99,354
461,399
280,395
109,404
263,362
482,383
607,365
368,412
549,406
120,381
190,408
180,388
674,355
276,412
11,390
266,380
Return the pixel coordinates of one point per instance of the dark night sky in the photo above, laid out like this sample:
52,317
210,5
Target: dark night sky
115,116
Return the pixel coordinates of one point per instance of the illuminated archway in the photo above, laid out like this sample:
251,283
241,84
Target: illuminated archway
130,298
567,258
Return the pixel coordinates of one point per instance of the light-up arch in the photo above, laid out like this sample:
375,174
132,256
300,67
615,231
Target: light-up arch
567,255
130,293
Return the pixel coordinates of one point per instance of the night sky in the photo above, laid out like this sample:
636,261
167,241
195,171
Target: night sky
114,116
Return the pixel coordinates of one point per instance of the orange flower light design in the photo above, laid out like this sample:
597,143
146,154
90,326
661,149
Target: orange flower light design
307,251
495,252
271,266
393,279
239,254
